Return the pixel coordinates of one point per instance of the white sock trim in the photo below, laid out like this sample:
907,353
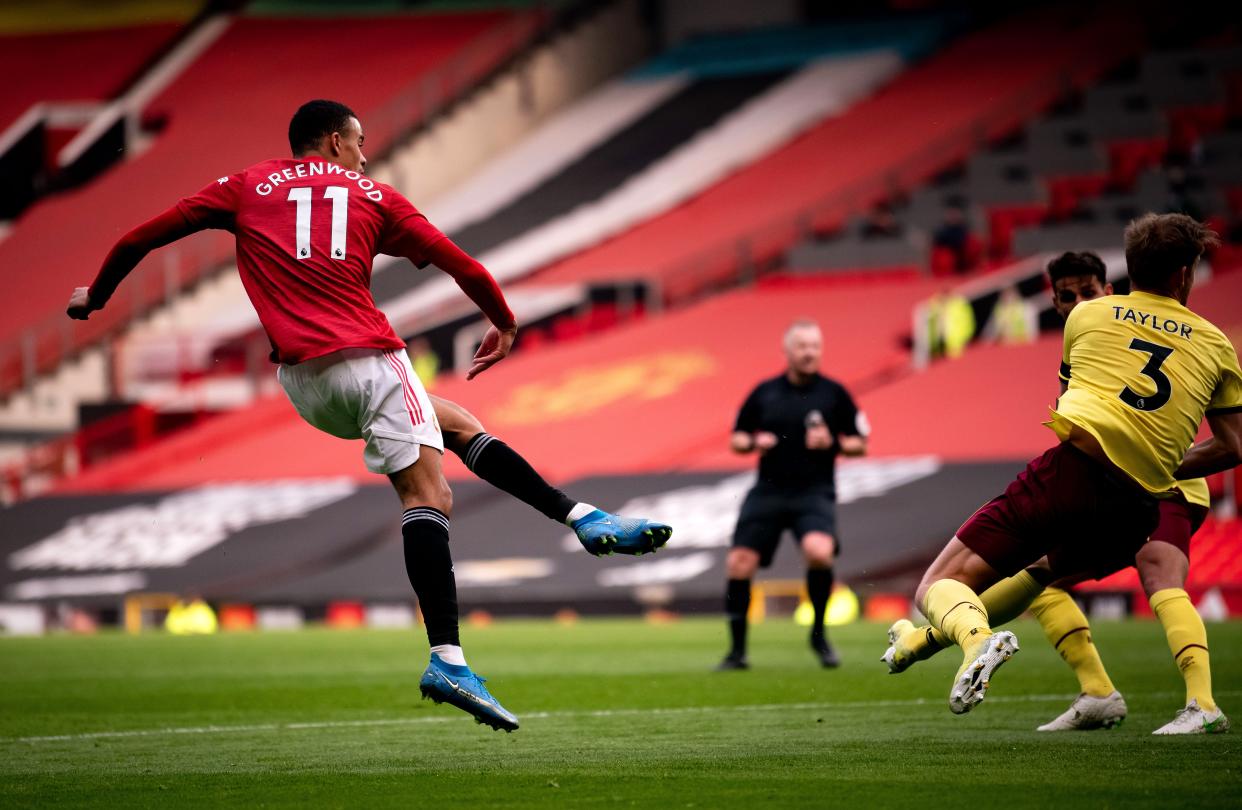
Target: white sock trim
450,654
578,512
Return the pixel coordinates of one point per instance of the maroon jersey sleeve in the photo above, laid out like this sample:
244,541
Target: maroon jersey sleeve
213,207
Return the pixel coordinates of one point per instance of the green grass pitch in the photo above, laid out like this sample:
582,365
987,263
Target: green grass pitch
615,713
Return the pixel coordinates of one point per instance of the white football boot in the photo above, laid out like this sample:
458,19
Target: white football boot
1089,712
1194,720
971,684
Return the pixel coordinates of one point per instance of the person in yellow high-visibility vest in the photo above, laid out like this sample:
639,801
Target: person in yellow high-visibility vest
192,617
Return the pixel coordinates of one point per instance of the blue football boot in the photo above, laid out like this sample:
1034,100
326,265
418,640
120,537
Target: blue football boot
458,686
602,533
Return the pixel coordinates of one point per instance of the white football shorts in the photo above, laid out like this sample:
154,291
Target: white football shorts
368,394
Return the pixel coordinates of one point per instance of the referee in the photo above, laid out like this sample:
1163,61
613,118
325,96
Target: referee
798,422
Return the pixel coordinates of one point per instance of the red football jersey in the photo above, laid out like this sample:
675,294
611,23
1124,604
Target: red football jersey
307,231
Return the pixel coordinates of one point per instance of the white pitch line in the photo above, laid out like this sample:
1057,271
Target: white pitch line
673,710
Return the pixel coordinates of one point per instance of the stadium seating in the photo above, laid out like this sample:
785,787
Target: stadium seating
202,141
999,78
636,146
1153,137
116,56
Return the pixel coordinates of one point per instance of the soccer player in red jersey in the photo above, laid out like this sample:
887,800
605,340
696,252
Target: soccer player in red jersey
307,230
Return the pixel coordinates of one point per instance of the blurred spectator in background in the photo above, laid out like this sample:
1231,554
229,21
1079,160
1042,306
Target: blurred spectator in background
953,246
950,323
191,616
1180,201
1014,319
426,362
880,223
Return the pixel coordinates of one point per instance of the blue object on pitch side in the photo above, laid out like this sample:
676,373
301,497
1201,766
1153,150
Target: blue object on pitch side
603,533
458,686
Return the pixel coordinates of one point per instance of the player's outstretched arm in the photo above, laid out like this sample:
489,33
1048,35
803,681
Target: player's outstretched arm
125,255
1221,452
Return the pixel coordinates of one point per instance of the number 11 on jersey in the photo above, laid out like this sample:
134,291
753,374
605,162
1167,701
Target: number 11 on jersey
339,195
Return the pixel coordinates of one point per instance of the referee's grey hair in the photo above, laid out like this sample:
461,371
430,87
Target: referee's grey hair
801,323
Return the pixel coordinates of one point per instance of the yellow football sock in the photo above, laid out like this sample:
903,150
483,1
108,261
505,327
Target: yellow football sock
1188,641
1003,602
956,611
1067,631
1006,600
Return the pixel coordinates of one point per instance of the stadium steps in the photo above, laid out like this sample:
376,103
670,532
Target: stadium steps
514,131
597,128
629,151
841,74
116,56
565,137
1002,76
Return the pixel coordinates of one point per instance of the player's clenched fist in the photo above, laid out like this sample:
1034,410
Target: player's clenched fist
80,304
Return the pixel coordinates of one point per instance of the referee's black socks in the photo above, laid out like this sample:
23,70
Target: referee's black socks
497,464
425,535
737,605
818,589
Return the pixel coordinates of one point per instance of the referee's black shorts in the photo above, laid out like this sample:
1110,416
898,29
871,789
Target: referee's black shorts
769,510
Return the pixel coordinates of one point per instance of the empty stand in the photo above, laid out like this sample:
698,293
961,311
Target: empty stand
629,151
999,78
204,140
104,62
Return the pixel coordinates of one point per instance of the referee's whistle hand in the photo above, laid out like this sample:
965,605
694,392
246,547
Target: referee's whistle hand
818,438
765,441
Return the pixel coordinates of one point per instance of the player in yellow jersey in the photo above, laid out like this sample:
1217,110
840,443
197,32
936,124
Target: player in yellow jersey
1140,373
1162,563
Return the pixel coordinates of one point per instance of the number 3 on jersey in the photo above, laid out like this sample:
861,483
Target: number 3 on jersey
1164,388
340,219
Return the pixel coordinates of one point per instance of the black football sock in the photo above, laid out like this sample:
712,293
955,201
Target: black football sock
425,532
737,605
497,464
818,589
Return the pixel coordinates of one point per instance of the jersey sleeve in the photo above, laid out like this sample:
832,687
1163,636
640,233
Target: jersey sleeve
215,206
406,231
748,417
1227,398
847,419
1068,338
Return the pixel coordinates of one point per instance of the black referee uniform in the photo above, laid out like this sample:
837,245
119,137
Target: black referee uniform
796,490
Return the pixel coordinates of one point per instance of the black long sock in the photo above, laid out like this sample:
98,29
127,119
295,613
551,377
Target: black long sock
737,605
497,464
425,532
818,589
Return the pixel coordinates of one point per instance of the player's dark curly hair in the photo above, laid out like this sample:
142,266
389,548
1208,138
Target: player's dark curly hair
1071,264
1158,245
313,120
